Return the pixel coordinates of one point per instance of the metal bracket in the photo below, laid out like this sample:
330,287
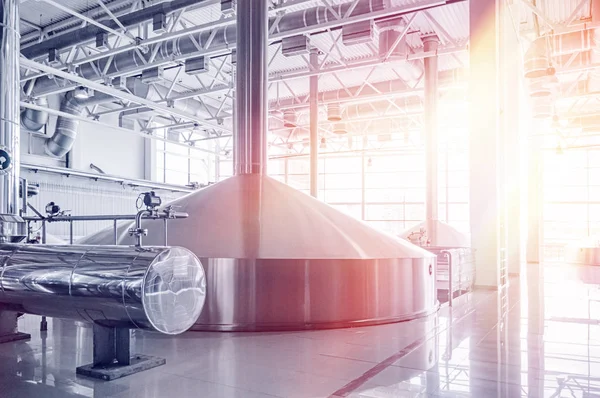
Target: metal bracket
112,358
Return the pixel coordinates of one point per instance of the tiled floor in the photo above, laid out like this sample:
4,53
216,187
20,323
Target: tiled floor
547,345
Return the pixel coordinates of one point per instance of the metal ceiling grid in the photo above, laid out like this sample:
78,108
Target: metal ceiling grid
451,25
204,15
556,12
561,11
43,14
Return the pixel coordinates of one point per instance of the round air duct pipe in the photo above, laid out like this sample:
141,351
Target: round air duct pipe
34,120
334,112
290,119
542,108
543,86
66,129
340,129
536,59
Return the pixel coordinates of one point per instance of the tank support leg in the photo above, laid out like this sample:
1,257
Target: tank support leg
112,356
8,328
43,324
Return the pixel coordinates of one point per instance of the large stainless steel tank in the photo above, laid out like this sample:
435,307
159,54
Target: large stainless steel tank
274,257
289,261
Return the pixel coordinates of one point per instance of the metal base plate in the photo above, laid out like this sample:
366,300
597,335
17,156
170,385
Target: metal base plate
139,363
7,338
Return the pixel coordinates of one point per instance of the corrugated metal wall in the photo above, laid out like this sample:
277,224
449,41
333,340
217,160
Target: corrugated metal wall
84,196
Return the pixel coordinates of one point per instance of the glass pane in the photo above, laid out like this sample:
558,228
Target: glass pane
384,212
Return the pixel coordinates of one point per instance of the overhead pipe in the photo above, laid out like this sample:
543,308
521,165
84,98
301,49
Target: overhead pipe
222,40
66,128
66,131
71,24
34,120
314,125
431,43
11,224
88,33
250,135
180,101
373,91
352,114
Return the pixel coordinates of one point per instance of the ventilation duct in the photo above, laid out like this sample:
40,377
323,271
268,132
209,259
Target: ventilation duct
220,40
334,112
397,88
389,33
543,107
34,120
290,119
536,59
355,113
339,129
358,33
90,32
543,86
66,128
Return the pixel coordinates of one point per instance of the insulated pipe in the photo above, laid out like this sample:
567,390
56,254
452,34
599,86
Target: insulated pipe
222,40
314,125
155,288
88,33
250,151
66,129
34,120
11,226
431,43
157,93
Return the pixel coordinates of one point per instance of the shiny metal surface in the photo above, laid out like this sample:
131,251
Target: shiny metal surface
250,141
11,226
161,289
66,129
280,294
295,264
314,124
445,234
544,345
276,258
284,224
430,64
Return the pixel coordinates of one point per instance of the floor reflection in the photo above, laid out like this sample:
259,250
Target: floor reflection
543,341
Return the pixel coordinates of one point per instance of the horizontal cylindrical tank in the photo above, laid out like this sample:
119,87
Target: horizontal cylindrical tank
156,288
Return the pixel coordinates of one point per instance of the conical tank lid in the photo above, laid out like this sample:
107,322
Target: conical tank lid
256,216
447,235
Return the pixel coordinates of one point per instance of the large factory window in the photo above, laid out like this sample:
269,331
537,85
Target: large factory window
390,195
571,199
181,162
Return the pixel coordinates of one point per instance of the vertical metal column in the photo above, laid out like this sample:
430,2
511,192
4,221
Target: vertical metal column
512,86
250,153
484,163
314,125
12,227
535,201
431,43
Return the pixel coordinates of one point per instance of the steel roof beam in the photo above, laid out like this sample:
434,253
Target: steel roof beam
117,93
